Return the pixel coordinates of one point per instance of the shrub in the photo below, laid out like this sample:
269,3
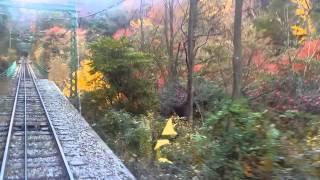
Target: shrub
287,93
126,72
132,138
207,97
3,65
235,142
124,132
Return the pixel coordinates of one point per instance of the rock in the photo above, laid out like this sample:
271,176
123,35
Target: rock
195,178
77,162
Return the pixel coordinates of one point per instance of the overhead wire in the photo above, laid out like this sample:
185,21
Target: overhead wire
103,10
92,15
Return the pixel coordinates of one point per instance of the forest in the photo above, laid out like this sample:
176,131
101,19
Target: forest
193,89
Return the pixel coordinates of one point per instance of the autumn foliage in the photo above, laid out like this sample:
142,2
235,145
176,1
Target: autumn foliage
134,75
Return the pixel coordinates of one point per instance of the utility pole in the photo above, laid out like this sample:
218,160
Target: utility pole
10,36
75,60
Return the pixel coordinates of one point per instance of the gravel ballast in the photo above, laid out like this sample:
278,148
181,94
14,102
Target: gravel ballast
87,154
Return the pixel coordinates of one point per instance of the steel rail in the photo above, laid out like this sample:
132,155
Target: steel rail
25,125
6,151
65,162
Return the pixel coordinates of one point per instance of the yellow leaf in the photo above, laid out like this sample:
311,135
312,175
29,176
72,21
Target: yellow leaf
298,31
228,5
306,4
300,12
169,129
165,160
161,142
87,82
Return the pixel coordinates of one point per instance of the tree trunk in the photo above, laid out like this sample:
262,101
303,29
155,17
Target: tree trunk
169,37
237,54
193,12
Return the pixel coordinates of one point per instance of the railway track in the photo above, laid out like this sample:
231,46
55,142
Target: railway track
6,104
32,149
